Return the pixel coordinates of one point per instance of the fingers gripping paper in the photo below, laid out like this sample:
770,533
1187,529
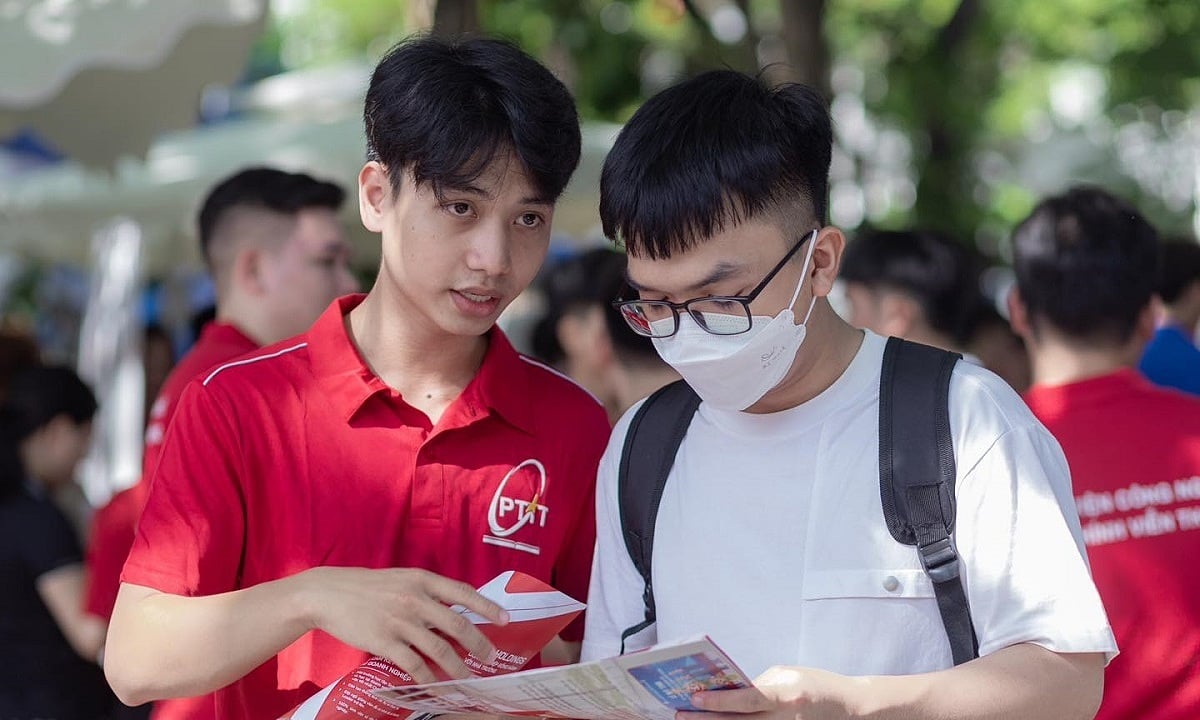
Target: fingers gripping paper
537,613
652,684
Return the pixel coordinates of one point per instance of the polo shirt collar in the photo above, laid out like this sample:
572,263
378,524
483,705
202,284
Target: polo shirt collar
337,365
502,385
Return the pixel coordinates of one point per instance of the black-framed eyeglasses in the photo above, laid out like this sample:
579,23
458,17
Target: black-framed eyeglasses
717,314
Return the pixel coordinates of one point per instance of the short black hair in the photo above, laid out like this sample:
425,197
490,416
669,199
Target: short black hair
712,152
1086,262
931,268
590,279
36,396
444,109
268,189
18,351
1179,268
584,280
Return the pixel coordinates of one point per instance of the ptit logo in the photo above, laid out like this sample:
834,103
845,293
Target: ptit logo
507,514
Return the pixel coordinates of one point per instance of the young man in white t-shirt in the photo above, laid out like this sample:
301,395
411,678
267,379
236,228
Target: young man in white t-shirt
771,536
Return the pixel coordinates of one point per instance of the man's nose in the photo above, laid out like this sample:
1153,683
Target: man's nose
490,251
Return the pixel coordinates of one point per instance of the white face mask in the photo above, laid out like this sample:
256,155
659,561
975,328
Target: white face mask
732,372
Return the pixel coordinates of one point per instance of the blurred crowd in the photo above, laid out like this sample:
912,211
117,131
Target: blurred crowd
1096,330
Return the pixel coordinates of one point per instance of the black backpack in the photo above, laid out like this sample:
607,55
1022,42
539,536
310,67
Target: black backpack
916,475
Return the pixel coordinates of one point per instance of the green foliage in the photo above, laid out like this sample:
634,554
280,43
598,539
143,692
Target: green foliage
958,77
20,304
326,31
987,84
601,66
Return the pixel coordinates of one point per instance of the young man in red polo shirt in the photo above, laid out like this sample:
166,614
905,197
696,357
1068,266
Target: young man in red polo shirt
278,255
1085,263
327,498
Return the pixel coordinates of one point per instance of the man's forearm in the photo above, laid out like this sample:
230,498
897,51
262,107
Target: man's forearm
1022,681
162,646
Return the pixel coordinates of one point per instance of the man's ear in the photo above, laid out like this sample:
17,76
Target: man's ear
1018,315
374,195
1159,308
826,259
247,272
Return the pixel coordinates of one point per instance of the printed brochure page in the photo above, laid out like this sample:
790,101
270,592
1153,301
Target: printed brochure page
537,613
648,685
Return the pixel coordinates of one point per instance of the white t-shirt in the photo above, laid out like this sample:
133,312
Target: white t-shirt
771,538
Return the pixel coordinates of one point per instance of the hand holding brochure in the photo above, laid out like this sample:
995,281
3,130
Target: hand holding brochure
537,613
648,685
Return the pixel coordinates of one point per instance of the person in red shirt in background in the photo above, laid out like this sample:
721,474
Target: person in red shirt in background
278,256
1086,266
327,498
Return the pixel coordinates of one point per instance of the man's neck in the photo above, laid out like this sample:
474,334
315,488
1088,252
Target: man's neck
238,313
429,367
641,381
1060,362
1185,320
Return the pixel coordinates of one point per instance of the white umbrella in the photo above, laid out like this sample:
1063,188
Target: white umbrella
100,79
306,120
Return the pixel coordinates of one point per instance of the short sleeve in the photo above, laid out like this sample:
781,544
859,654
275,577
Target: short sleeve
615,598
1027,574
572,572
47,540
191,535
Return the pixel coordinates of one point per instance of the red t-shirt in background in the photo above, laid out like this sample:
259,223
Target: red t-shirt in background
299,456
1134,452
113,526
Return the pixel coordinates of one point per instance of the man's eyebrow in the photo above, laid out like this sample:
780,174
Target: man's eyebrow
487,195
722,271
468,189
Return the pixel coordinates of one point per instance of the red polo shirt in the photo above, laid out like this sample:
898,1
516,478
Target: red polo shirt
113,525
299,456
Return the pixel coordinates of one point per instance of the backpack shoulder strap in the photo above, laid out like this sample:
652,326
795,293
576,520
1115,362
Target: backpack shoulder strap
653,438
916,475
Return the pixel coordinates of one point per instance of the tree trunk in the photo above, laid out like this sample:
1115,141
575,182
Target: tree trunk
804,37
455,17
944,190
